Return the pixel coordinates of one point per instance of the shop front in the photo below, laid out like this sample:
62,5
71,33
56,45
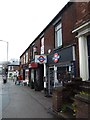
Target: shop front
23,71
61,67
36,75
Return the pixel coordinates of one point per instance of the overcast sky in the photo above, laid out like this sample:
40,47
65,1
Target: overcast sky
21,21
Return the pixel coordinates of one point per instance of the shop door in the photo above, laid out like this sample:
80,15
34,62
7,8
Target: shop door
52,76
23,74
51,80
61,72
27,74
88,43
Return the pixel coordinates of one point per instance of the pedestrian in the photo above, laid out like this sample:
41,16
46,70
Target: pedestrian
19,79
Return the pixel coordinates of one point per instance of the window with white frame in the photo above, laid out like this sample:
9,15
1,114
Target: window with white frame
33,55
58,35
42,45
26,57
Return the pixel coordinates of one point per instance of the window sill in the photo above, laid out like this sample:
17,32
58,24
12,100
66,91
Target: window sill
58,48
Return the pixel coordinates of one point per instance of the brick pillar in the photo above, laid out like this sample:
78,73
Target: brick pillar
57,99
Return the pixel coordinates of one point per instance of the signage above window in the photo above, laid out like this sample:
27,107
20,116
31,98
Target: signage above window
33,65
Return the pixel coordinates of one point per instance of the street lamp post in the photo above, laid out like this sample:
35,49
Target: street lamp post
7,48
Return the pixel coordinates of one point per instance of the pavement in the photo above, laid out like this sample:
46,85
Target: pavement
23,102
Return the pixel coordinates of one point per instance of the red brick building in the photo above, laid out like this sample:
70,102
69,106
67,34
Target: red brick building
66,43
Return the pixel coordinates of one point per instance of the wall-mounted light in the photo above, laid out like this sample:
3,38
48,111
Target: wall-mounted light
35,49
49,51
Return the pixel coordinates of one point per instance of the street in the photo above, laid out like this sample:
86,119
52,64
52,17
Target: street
23,102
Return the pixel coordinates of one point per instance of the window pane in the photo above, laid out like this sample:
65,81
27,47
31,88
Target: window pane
58,33
42,45
58,38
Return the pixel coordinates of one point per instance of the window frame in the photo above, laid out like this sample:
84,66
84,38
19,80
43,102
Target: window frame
58,28
42,45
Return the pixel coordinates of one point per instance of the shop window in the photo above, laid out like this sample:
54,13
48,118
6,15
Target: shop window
61,73
27,74
64,73
32,75
58,35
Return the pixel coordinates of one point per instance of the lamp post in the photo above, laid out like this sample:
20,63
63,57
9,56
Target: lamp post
7,47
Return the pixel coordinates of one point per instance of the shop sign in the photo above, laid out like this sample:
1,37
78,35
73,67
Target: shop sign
62,55
40,58
55,57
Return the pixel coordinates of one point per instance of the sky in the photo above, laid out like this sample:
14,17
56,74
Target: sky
21,21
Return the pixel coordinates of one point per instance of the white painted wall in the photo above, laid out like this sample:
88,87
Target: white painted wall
83,58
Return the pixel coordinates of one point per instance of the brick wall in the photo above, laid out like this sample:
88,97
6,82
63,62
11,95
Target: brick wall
49,38
68,21
82,109
37,43
82,12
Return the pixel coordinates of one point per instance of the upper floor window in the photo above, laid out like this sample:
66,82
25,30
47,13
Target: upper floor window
42,45
26,57
58,35
21,60
32,51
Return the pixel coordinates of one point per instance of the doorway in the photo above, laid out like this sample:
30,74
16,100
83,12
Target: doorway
50,80
88,44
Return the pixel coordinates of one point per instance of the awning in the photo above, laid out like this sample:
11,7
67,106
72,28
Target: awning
33,65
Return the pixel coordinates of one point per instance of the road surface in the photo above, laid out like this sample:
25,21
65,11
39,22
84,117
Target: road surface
23,102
